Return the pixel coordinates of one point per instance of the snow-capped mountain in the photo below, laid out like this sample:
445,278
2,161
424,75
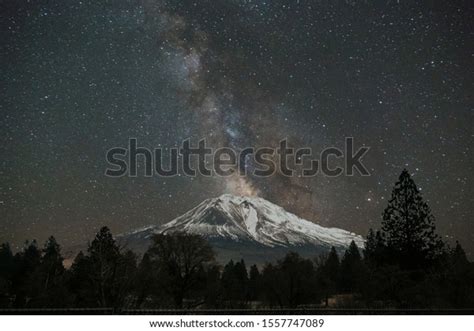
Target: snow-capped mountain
249,227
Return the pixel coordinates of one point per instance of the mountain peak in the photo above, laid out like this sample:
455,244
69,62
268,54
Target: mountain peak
256,220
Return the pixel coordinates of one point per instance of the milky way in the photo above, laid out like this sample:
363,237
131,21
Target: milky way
82,77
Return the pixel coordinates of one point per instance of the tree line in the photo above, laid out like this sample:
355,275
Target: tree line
403,265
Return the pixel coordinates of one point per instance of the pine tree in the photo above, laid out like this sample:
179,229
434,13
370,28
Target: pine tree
458,257
375,251
145,281
212,291
370,245
234,283
104,258
51,264
332,264
228,282
351,269
81,282
409,226
254,283
458,277
51,290
6,275
125,276
103,247
329,275
241,285
24,283
6,261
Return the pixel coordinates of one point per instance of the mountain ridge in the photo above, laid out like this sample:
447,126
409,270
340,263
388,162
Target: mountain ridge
240,225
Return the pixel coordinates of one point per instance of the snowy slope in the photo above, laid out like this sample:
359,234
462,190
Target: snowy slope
252,220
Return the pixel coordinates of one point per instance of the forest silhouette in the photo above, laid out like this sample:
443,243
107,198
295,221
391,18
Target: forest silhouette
404,265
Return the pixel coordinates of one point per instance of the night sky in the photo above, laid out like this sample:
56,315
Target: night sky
81,77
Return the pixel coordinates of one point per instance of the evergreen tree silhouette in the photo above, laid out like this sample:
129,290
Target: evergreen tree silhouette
375,250
329,274
458,257
212,291
7,267
228,283
234,284
51,264
125,280
270,286
24,282
103,256
145,281
291,282
49,278
352,270
241,276
254,283
459,286
80,282
110,273
179,268
409,226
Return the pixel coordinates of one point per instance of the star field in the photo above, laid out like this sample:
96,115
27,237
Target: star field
81,77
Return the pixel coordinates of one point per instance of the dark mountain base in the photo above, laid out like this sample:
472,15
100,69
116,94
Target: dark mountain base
226,250
253,253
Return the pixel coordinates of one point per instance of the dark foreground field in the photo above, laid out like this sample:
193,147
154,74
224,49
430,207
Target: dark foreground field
100,311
